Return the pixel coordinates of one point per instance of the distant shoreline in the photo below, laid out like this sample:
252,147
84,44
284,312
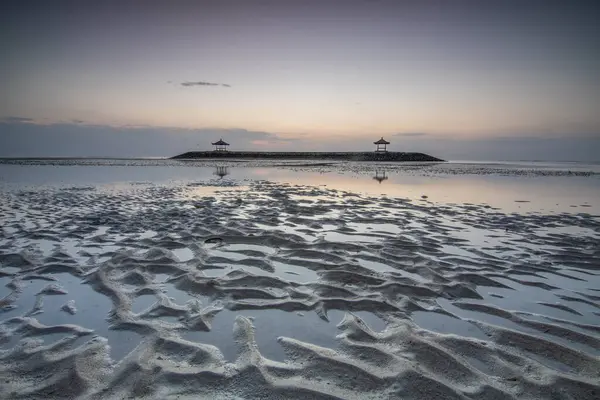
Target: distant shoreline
303,155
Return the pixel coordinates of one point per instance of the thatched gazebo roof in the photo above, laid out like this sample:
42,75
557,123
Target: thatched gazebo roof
221,142
381,141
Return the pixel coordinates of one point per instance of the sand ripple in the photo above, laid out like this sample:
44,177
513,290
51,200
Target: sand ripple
285,291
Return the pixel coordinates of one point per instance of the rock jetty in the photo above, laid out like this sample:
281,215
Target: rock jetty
389,156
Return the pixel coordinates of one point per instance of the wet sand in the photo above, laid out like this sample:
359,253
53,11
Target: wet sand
257,288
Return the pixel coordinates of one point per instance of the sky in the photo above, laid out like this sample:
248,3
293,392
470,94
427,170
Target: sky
501,80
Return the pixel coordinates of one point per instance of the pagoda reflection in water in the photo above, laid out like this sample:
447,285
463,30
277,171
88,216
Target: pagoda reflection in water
221,171
380,175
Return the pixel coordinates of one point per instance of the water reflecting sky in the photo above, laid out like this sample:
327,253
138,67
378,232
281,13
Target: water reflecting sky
543,187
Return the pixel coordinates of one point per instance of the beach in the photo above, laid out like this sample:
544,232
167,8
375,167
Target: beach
290,279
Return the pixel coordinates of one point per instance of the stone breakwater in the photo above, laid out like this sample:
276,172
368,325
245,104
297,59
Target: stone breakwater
345,156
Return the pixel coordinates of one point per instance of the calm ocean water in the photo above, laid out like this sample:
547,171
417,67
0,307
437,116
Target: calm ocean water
511,186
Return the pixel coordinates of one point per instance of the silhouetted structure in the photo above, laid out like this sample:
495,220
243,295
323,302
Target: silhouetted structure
381,145
380,156
380,175
221,145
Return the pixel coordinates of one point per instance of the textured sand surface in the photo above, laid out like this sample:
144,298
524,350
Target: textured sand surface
270,290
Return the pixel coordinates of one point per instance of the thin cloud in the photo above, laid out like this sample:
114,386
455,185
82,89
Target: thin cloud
16,119
202,83
410,134
65,139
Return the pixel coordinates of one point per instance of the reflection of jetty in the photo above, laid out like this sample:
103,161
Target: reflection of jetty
389,156
380,175
221,171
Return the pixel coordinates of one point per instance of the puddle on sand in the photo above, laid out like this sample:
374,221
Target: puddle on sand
215,272
252,247
527,302
229,255
88,302
576,280
161,278
103,251
482,316
147,234
288,272
183,254
26,297
457,251
375,228
527,299
343,237
92,311
181,297
294,273
550,363
101,230
328,227
4,290
381,267
375,266
505,323
289,230
271,324
142,303
441,323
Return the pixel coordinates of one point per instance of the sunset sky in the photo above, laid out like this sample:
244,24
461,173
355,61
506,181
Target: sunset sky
506,79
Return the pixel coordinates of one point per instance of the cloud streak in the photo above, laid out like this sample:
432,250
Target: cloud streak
16,119
71,139
410,134
203,83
